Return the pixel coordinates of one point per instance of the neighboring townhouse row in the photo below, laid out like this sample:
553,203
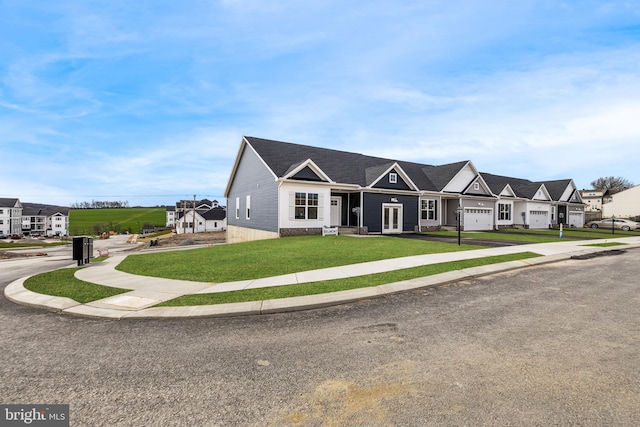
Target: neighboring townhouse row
280,189
32,219
197,216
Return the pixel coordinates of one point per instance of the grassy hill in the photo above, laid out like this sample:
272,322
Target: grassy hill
96,221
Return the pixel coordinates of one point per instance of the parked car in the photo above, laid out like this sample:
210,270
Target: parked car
15,237
3,236
620,224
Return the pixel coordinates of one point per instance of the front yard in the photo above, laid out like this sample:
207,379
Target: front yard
266,258
274,257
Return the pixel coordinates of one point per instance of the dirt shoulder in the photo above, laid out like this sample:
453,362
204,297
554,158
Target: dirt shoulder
168,240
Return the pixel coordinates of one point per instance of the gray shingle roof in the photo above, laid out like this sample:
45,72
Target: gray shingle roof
341,166
7,202
352,168
39,209
556,188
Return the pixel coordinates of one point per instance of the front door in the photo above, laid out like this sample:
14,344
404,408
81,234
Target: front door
391,219
335,215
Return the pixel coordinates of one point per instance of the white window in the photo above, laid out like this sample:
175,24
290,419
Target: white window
306,206
237,207
248,211
428,209
476,186
393,178
504,211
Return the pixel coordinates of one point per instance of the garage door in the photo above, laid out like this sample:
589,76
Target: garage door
538,219
478,219
576,219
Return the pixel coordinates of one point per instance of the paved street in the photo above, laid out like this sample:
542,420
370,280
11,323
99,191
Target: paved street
550,345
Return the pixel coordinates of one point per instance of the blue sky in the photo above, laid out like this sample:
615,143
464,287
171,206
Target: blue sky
147,101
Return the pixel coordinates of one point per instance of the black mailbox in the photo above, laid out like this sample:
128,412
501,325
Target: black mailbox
82,249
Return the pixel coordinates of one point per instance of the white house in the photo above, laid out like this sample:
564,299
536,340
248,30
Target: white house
10,216
592,199
45,220
625,204
199,216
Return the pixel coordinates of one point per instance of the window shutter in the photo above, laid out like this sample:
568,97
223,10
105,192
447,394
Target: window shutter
292,205
320,206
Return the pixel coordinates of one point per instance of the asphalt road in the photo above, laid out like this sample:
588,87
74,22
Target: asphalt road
550,345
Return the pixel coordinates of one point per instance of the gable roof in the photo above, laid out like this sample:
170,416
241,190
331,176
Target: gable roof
39,209
528,189
442,175
339,166
10,203
285,160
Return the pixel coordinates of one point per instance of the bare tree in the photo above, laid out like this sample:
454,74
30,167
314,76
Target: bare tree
612,184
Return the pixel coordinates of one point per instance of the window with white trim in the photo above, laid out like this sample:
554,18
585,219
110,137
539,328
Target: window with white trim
393,178
504,211
306,206
476,186
248,207
237,207
429,209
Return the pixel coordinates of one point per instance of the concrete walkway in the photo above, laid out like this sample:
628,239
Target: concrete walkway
145,292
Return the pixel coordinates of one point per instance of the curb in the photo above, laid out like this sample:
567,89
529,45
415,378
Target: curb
17,293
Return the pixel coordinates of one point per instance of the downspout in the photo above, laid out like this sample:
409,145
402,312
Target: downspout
279,203
361,215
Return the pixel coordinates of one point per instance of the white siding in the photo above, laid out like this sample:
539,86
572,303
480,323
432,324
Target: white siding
287,206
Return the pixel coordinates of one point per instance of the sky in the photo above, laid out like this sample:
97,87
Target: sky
147,101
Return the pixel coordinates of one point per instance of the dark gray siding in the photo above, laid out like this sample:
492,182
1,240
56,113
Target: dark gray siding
253,179
399,185
373,211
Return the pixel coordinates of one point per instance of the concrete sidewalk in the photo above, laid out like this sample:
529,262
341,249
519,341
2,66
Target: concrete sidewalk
145,292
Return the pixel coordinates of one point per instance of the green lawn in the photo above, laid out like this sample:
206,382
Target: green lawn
327,286
63,283
273,257
16,245
95,221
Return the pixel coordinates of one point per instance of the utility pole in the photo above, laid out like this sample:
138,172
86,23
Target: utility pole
193,224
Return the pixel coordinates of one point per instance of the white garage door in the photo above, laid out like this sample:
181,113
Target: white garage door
538,219
576,219
478,219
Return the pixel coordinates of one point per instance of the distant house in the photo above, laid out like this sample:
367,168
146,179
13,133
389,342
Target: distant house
625,204
10,216
33,218
199,216
45,220
282,189
593,200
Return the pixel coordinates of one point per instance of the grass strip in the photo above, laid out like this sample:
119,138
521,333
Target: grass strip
336,285
606,244
15,245
63,283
